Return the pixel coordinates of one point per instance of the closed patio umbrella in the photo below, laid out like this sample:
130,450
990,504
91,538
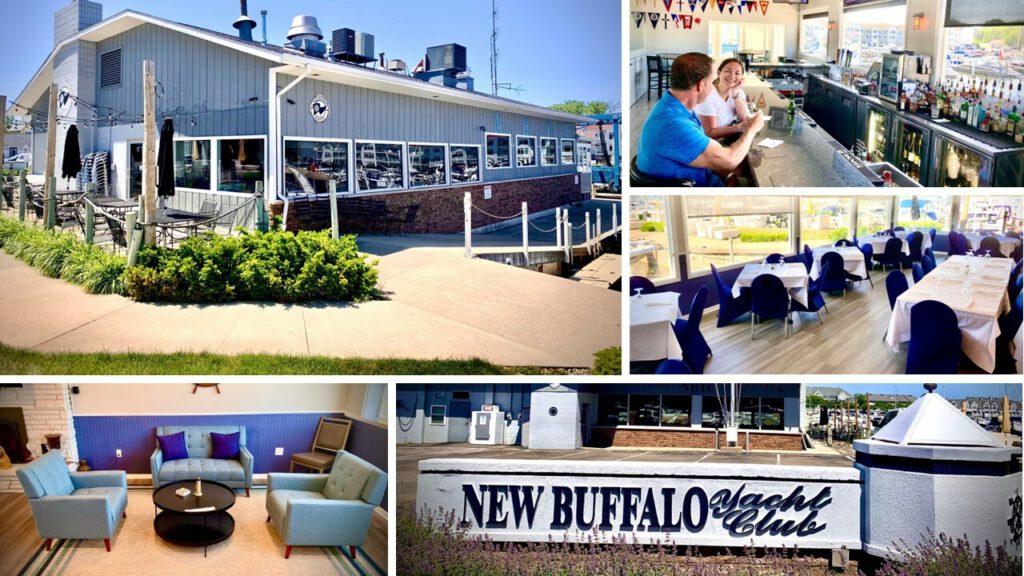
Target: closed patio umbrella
165,161
72,161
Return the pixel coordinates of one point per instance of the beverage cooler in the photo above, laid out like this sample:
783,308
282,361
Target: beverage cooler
876,128
960,166
911,152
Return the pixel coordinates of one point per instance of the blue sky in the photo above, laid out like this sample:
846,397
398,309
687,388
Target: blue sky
947,390
555,49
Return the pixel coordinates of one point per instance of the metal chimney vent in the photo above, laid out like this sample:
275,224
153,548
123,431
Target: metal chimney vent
244,24
304,28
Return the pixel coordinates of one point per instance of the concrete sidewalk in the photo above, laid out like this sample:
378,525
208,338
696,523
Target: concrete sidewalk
442,305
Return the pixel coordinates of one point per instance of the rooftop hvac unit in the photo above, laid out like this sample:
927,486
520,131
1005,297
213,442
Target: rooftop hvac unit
446,57
352,46
305,36
397,66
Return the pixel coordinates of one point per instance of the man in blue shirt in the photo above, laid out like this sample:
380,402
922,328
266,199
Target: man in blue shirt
673,144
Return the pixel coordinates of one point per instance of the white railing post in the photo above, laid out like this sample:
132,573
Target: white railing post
334,209
558,226
467,207
586,226
615,218
568,239
526,236
597,233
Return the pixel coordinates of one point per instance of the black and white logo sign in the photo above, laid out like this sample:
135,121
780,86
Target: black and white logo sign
319,109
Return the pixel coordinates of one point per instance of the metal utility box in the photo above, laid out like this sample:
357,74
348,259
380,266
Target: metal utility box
487,427
446,57
349,45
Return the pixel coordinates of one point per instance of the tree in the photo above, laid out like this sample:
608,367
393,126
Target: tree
8,123
582,108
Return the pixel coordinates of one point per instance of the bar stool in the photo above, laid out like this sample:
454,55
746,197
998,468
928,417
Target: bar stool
656,67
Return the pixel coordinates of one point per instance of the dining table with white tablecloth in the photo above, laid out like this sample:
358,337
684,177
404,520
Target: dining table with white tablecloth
1006,244
975,289
926,238
853,260
793,275
878,244
651,317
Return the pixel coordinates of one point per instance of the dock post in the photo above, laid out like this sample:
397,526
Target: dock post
334,208
615,218
526,236
51,204
51,154
467,208
586,226
149,152
22,194
261,209
133,236
90,214
597,233
568,239
558,226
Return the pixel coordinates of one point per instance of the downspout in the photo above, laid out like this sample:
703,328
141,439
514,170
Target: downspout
274,128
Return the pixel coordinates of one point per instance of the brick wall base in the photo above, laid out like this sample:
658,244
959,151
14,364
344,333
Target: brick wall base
683,438
440,209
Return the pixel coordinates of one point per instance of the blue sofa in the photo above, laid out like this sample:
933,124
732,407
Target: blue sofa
233,473
326,509
73,505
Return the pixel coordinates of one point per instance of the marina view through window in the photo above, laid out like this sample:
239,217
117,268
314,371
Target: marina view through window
871,31
379,166
649,247
988,53
241,164
729,231
309,167
427,165
526,151
984,213
498,155
644,410
549,151
925,212
465,163
814,35
823,220
873,215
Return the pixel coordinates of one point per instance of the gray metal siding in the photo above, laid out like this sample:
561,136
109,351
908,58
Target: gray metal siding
363,114
200,79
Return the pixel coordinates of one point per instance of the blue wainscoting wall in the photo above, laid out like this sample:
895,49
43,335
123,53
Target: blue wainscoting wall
99,436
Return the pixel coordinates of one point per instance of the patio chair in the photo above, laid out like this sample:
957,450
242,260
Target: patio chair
769,300
934,339
331,438
117,233
209,211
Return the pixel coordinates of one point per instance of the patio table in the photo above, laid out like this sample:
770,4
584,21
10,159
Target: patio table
853,260
650,326
977,305
793,275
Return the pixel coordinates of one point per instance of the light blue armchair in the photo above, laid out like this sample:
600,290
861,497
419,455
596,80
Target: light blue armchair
73,505
199,464
326,510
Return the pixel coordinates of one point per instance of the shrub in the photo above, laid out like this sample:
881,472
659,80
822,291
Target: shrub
838,234
608,362
652,227
262,266
748,235
946,556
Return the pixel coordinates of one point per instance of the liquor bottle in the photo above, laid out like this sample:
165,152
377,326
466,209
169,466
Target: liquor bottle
964,110
1011,122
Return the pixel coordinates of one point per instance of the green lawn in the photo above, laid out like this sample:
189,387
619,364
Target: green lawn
17,361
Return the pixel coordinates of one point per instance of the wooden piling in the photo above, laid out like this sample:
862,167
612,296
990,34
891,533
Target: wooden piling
149,152
90,214
333,195
51,155
3,133
50,207
22,194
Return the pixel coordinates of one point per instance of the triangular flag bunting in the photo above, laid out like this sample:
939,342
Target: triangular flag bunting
638,17
675,20
764,7
730,9
687,21
653,17
693,5
703,5
721,6
668,5
750,5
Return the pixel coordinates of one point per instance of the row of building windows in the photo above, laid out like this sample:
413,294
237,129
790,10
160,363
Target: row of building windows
310,165
753,413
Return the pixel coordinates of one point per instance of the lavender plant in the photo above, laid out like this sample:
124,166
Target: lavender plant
946,556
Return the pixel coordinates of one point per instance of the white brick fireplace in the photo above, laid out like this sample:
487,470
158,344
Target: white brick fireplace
47,410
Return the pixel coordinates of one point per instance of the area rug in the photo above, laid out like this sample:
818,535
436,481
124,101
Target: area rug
254,549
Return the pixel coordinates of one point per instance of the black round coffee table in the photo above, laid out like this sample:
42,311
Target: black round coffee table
176,524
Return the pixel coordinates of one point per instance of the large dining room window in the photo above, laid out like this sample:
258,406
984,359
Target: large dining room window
732,230
986,213
825,219
650,253
924,212
874,213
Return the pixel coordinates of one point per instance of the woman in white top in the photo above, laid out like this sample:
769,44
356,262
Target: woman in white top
724,112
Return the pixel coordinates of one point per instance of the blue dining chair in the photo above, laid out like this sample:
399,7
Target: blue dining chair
645,285
1009,325
899,229
869,261
815,301
769,300
932,232
843,242
929,253
934,339
992,245
957,244
917,272
808,258
835,281
867,267
672,366
895,284
927,264
1013,287
915,240
893,254
774,258
729,307
695,348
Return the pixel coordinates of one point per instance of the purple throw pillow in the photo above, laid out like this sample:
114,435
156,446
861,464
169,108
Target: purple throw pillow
173,446
225,446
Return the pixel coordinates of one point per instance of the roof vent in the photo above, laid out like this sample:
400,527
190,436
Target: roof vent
305,36
244,24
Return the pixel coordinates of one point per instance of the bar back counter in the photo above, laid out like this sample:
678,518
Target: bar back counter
929,152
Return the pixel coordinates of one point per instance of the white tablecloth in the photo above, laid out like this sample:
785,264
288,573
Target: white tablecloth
794,277
977,311
926,239
878,244
853,260
650,327
1006,245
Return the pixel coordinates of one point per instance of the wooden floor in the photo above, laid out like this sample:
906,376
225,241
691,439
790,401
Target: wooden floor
637,116
849,342
19,539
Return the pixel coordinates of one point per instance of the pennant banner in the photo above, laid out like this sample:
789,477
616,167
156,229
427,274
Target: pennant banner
668,4
687,21
693,5
721,6
764,7
653,17
638,17
703,5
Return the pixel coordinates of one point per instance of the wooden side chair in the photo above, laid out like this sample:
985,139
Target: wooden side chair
331,438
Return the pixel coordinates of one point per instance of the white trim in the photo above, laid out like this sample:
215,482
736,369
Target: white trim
351,159
479,168
446,160
430,415
561,160
487,153
536,150
557,151
405,167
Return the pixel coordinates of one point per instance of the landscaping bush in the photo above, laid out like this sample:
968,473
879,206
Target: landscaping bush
652,227
946,556
62,255
748,235
262,266
608,362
